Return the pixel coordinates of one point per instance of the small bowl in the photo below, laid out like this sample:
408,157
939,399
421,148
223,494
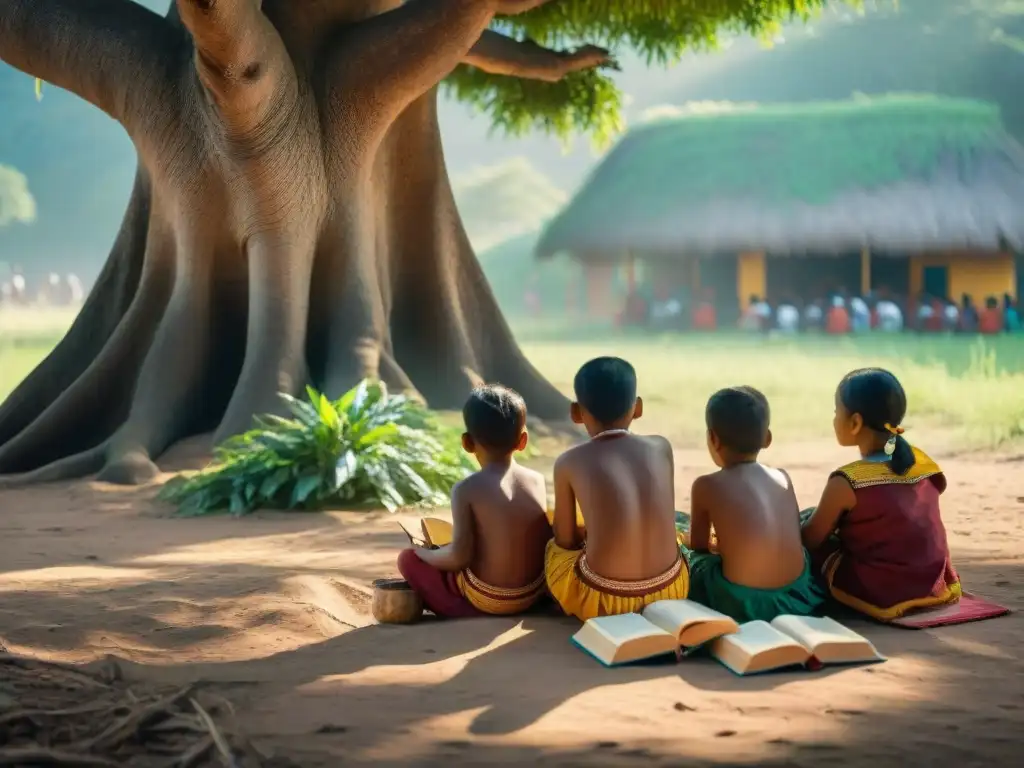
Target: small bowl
395,602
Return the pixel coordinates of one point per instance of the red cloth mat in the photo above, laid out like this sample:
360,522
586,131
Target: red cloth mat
970,608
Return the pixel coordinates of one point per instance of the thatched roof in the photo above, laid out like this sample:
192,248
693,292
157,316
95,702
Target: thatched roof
895,173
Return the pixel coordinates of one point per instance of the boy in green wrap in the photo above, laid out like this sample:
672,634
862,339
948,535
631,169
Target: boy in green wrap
753,565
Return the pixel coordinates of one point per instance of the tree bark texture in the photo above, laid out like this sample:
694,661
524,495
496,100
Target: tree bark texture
292,221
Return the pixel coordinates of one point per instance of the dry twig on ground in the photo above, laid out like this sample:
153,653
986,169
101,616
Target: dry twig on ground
61,715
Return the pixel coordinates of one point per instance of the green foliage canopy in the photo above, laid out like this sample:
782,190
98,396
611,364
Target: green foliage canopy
660,31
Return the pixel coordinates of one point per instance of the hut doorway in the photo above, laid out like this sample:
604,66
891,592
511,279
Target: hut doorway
720,275
809,278
935,281
890,275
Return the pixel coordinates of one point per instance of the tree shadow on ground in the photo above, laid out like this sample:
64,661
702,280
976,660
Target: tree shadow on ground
268,617
513,690
98,525
95,524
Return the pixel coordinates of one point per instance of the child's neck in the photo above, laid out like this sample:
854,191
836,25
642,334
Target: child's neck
738,460
499,463
872,447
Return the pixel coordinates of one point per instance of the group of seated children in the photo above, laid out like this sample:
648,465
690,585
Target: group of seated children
874,543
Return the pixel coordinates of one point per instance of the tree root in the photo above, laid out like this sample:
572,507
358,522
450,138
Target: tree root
115,289
68,468
95,404
125,724
41,756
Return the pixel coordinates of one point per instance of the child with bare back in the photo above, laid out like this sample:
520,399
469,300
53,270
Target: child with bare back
624,485
760,569
495,561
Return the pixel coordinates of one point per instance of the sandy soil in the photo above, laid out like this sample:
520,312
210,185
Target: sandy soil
274,608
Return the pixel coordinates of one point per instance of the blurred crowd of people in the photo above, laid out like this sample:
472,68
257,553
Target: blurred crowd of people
841,314
838,313
56,290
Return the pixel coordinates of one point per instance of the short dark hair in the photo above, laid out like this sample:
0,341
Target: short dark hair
606,388
740,417
495,417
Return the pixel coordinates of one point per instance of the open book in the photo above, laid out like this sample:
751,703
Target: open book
789,641
429,532
663,628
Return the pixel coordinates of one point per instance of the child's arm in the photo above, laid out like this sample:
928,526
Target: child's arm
565,508
700,518
837,497
457,555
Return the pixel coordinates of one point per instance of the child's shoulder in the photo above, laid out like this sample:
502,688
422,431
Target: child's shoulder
862,472
528,475
777,475
657,442
870,471
708,482
573,453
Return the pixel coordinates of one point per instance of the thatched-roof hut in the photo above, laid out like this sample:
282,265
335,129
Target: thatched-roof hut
924,178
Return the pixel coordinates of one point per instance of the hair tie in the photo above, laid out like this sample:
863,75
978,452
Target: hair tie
890,444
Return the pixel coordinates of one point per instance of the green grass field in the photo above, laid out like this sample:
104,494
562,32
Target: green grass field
972,386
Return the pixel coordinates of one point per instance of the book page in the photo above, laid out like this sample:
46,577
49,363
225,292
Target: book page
436,531
590,640
674,616
756,637
624,640
813,632
413,528
628,626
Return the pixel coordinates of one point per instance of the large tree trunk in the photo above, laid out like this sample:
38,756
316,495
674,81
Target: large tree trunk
292,222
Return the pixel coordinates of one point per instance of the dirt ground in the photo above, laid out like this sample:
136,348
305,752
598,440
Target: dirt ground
274,609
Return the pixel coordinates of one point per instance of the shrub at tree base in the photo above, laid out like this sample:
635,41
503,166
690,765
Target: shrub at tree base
367,449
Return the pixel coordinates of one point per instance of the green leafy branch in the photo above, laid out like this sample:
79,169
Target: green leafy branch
366,449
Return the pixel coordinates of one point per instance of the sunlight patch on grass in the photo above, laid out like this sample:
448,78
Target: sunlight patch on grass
970,385
957,383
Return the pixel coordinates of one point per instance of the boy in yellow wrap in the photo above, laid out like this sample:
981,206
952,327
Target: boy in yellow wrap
495,561
624,484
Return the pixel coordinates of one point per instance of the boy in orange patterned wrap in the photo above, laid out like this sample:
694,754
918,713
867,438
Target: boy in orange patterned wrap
877,534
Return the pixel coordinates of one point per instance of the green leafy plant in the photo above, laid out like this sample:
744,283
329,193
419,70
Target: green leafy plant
367,449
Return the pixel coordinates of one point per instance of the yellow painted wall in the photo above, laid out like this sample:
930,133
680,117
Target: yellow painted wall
751,277
979,276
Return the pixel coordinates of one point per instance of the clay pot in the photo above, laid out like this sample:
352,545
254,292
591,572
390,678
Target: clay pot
395,602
